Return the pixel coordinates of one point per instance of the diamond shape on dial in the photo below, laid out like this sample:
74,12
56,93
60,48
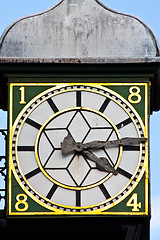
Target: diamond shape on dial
78,169
98,134
78,127
94,176
56,136
62,176
58,160
45,148
61,121
96,120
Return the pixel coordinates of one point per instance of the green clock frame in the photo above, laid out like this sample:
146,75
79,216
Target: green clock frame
20,200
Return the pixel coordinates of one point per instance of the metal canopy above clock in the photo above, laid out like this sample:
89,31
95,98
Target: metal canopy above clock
79,29
80,32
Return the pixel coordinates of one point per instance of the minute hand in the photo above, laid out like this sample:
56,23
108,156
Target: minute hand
120,142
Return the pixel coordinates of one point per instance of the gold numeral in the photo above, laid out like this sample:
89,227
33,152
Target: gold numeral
133,202
22,89
134,96
21,200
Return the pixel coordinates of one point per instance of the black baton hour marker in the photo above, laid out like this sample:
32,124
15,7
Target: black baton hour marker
78,99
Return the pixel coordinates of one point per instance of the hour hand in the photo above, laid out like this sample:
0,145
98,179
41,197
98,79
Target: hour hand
68,145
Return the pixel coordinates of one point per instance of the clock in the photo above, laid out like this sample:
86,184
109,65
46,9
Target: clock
78,149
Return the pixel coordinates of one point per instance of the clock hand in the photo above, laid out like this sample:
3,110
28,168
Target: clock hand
101,163
120,142
68,145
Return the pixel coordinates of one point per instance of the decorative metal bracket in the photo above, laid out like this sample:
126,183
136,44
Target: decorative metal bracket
3,172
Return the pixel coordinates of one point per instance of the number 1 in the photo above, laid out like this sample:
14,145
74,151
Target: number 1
22,89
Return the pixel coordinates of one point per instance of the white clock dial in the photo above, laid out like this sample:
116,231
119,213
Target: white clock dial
72,182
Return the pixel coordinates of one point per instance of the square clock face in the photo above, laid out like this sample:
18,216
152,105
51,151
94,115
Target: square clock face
78,149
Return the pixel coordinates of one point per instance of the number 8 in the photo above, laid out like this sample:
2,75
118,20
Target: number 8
22,201
134,92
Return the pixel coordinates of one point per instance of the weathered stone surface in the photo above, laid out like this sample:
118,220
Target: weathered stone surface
79,29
